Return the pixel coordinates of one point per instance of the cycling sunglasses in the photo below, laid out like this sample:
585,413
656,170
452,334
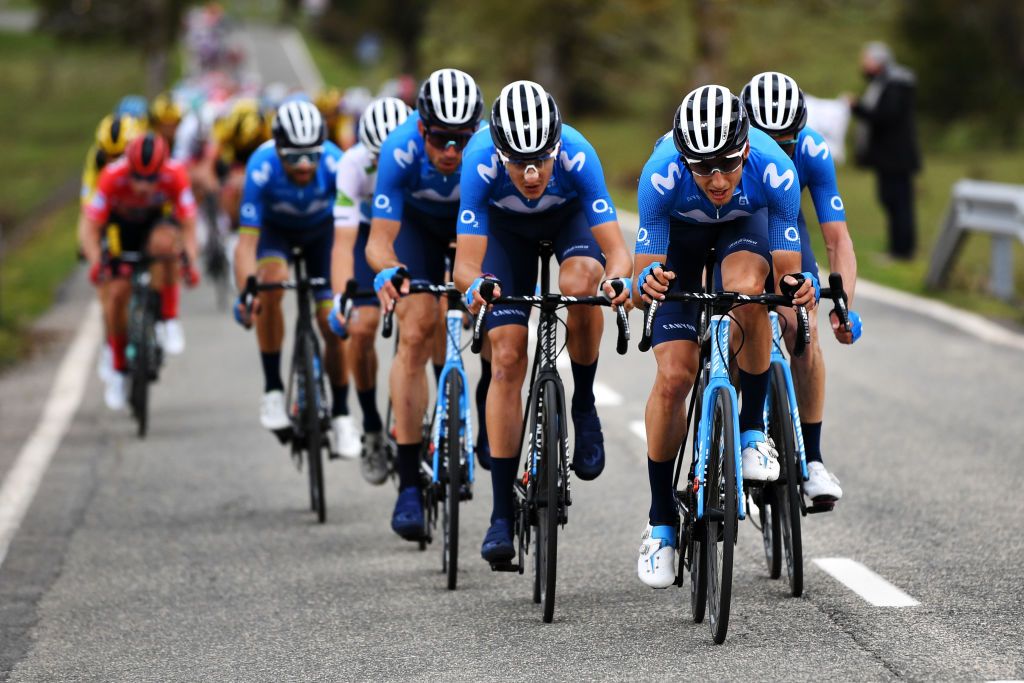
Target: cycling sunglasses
152,178
532,161
294,157
724,164
443,139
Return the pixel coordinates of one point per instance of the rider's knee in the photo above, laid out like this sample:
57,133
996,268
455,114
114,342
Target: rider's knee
750,282
163,241
676,376
508,361
581,277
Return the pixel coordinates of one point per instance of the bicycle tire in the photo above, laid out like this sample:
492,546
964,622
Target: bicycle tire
143,337
721,513
548,509
452,459
314,433
787,488
771,534
696,545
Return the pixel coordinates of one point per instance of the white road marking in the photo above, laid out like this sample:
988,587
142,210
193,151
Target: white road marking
639,429
22,481
970,323
865,582
604,395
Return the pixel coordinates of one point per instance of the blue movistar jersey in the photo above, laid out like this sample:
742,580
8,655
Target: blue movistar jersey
272,198
577,174
405,175
667,190
817,172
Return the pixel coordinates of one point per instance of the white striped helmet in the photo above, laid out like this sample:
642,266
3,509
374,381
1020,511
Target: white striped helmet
298,125
774,103
378,120
525,121
710,121
450,98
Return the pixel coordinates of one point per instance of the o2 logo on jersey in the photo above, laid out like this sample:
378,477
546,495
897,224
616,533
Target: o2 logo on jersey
642,236
575,163
772,177
837,203
382,202
602,206
261,175
467,217
404,157
663,183
792,234
812,148
249,211
488,173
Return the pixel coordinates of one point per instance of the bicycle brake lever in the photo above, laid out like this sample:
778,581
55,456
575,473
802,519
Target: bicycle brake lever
647,332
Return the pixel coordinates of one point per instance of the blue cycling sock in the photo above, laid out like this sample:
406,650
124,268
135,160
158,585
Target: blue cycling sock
437,373
754,389
812,440
271,371
339,406
663,498
583,393
481,399
409,465
503,475
368,404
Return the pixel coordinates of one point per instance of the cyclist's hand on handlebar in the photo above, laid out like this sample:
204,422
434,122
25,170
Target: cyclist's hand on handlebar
847,336
805,293
474,299
384,285
624,295
244,313
654,281
96,272
191,275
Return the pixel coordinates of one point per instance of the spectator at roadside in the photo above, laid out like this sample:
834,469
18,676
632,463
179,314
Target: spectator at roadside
886,141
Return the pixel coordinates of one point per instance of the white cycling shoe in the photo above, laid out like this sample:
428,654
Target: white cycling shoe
656,565
173,337
760,459
113,395
346,437
821,485
105,363
272,413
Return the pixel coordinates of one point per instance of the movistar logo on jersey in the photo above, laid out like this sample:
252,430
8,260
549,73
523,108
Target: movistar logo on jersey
772,177
332,163
261,175
404,157
663,183
488,173
814,149
576,162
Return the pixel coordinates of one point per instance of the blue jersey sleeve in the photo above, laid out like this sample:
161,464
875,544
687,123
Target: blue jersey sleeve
393,170
656,196
480,168
782,194
257,175
580,161
818,174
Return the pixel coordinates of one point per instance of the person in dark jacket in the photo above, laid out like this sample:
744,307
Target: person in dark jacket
887,141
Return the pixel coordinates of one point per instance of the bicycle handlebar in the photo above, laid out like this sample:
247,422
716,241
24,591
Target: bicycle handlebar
836,292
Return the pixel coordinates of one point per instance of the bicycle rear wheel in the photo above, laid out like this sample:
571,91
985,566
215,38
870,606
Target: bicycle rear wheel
142,322
548,501
314,437
452,476
720,511
787,488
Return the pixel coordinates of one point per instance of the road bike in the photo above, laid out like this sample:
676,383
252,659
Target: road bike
542,493
143,353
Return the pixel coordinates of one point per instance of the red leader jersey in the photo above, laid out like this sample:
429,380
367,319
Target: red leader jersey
115,200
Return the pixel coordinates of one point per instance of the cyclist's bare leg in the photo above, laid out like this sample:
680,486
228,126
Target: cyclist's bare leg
745,272
665,416
164,244
581,276
417,323
270,319
504,397
361,353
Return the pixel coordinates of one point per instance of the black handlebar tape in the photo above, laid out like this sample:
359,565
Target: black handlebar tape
388,324
622,343
835,282
646,333
803,331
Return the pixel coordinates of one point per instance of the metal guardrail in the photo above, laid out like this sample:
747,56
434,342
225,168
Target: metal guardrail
996,209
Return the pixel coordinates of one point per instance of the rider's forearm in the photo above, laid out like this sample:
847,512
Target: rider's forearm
342,261
785,263
469,260
618,262
89,239
245,257
188,233
841,257
380,247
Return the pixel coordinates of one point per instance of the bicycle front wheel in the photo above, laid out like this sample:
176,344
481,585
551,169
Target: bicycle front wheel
451,457
787,488
549,475
720,513
143,340
314,437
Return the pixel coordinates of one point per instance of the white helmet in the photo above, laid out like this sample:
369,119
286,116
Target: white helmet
774,103
299,125
710,121
451,99
380,118
525,121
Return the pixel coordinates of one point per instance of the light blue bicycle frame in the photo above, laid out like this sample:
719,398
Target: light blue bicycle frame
453,363
779,359
718,331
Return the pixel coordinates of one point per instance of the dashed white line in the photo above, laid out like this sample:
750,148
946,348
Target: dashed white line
639,429
22,481
864,582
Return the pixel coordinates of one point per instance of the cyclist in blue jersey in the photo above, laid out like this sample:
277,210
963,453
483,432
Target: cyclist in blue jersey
531,178
711,183
775,104
415,204
288,201
357,176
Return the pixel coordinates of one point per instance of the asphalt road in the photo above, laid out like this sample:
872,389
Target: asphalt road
192,555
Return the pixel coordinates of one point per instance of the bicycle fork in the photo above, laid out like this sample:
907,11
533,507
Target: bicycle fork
453,363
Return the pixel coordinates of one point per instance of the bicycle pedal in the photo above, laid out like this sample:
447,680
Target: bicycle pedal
822,504
285,435
504,566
